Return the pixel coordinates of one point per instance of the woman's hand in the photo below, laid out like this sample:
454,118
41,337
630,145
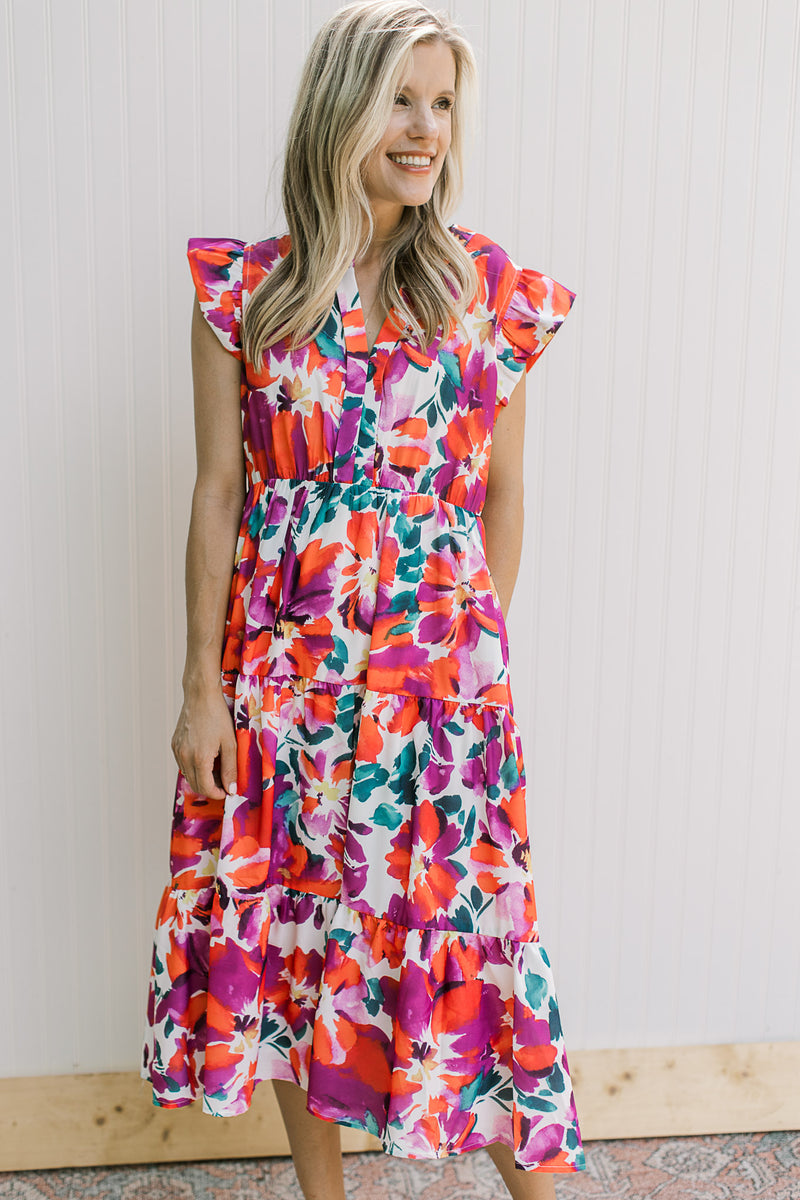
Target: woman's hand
204,744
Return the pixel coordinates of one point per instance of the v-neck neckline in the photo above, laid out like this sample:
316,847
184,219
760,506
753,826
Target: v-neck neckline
352,311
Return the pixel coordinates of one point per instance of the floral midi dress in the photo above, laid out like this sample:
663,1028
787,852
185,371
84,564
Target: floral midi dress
359,918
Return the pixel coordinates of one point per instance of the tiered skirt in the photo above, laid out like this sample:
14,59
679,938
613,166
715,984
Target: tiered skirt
359,918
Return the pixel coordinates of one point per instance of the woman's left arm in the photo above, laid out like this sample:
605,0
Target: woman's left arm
502,510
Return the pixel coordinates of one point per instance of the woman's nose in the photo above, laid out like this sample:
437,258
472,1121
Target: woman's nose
424,122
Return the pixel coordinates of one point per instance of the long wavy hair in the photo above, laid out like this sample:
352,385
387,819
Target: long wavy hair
344,102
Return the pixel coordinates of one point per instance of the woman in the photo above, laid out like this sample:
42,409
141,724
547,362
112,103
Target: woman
351,911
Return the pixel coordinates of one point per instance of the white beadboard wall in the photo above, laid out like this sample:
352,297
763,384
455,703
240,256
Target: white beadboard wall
647,156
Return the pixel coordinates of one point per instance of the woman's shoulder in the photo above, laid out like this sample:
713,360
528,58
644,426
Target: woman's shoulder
233,258
261,257
496,269
269,251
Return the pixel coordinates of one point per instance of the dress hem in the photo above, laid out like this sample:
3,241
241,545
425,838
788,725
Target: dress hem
392,1151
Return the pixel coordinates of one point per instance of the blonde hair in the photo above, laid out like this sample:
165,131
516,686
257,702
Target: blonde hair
343,107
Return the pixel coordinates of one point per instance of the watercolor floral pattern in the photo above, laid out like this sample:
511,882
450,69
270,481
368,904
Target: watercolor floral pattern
360,917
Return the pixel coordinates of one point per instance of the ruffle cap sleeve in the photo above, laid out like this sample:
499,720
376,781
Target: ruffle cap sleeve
536,307
216,266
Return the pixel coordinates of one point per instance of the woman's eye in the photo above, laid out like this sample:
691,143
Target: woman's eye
445,103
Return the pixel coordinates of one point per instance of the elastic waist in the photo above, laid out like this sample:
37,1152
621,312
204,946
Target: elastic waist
359,494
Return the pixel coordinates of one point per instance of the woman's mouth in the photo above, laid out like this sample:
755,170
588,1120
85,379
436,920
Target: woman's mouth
411,162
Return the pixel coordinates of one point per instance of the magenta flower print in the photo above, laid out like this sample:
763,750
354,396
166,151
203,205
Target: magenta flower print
359,916
421,858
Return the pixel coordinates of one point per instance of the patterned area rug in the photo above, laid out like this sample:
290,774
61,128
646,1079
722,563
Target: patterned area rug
758,1166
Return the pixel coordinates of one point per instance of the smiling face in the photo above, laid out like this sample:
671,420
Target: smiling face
404,167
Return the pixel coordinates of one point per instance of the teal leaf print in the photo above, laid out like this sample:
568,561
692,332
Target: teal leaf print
371,1123
572,1140
329,340
462,919
387,816
556,1078
555,1020
452,368
406,760
535,990
402,628
509,773
404,601
255,522
376,999
468,1094
344,938
338,658
540,1104
449,804
410,536
369,777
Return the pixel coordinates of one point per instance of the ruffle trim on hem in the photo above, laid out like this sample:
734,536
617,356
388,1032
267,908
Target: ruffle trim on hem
436,1041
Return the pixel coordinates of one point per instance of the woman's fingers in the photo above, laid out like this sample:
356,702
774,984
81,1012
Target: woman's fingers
227,764
204,745
199,774
205,784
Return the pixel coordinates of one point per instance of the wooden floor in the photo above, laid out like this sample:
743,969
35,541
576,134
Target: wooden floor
89,1120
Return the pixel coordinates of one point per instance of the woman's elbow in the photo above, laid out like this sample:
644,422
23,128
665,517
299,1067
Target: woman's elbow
506,502
221,490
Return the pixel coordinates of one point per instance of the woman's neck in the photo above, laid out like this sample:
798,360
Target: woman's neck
385,222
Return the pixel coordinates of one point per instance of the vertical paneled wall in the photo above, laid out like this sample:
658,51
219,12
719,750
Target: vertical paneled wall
647,156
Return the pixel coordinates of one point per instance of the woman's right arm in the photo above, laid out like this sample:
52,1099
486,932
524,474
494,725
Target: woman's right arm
204,734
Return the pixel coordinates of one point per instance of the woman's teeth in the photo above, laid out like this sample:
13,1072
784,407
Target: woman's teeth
411,160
